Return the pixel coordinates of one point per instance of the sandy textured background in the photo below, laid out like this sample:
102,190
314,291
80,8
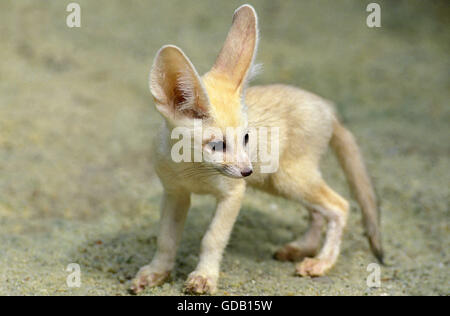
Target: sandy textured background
76,119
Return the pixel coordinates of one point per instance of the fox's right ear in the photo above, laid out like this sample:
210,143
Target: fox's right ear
176,87
236,57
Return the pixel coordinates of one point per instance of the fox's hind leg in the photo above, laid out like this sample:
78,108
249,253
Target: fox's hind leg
335,209
305,184
308,244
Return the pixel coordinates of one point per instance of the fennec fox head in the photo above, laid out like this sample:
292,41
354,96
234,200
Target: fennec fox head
215,99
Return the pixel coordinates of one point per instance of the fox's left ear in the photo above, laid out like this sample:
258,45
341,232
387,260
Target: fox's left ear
176,87
237,55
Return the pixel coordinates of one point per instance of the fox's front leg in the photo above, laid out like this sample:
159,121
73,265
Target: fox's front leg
203,280
173,215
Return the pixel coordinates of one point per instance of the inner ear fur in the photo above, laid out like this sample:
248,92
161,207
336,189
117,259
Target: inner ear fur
176,86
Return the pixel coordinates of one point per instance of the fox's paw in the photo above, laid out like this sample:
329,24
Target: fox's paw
147,277
290,252
312,267
200,284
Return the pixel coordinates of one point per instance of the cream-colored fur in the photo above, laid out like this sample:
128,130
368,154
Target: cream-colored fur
221,99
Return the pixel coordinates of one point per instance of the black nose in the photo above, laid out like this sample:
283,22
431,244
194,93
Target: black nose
246,172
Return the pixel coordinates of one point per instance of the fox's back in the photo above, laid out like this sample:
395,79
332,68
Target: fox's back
304,119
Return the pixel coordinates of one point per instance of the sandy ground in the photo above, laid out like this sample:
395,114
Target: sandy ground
76,120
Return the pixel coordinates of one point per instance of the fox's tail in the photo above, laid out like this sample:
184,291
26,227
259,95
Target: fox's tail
350,159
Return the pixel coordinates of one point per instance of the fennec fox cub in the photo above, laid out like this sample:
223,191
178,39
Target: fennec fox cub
220,99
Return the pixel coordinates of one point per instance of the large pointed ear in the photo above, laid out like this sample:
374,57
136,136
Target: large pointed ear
176,86
236,57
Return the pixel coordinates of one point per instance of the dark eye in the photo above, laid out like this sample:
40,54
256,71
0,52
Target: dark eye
246,139
217,146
